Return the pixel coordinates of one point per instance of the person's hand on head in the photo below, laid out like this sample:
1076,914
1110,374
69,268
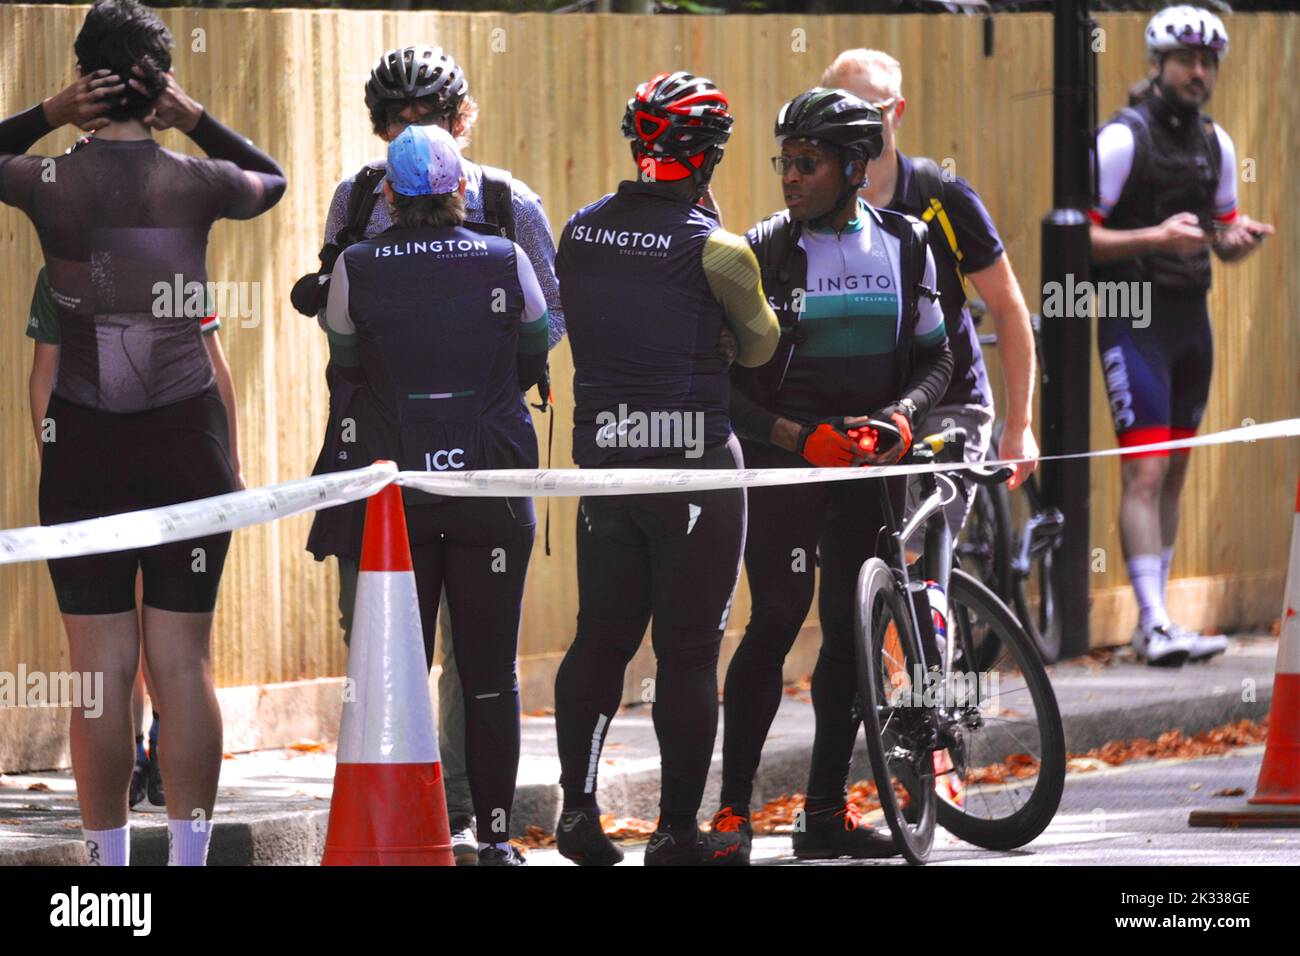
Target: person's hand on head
173,107
85,104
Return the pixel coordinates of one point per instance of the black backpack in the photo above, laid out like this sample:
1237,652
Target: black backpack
311,290
929,179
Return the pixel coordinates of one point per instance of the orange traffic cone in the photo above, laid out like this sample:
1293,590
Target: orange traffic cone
388,808
1276,802
1279,775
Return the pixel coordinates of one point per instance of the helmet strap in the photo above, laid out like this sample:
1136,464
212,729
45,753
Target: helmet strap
826,219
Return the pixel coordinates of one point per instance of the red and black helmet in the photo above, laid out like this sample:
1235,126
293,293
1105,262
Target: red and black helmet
678,124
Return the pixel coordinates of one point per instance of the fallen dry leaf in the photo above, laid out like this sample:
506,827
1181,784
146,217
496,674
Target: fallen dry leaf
1229,792
11,823
541,712
308,747
1173,743
802,685
626,828
535,837
44,787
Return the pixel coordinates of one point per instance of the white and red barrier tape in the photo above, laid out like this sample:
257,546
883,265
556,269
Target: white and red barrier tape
195,519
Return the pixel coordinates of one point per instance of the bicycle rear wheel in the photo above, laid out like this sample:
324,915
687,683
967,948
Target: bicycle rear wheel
1005,763
900,732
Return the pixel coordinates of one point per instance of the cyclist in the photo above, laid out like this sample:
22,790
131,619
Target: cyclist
418,84
135,402
855,288
1166,196
43,328
968,252
649,280
446,325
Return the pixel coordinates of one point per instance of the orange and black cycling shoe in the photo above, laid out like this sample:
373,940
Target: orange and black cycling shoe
696,848
827,834
727,820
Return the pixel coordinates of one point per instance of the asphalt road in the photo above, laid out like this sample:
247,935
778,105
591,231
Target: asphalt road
1121,816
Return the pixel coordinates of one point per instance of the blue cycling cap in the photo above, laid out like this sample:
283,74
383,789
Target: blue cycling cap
424,161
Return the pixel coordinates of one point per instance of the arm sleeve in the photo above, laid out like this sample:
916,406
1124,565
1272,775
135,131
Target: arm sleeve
750,419
20,174
20,132
1114,163
337,322
534,323
534,234
734,278
221,142
43,320
1225,197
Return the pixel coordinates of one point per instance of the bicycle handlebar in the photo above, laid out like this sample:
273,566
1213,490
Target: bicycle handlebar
949,445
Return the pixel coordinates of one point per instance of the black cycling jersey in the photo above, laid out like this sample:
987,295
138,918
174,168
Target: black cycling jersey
648,281
449,326
124,226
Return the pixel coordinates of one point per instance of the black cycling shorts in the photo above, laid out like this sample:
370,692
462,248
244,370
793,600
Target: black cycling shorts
102,463
1158,376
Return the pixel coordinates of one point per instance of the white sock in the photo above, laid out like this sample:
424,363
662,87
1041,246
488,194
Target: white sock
187,842
1144,571
108,847
1166,562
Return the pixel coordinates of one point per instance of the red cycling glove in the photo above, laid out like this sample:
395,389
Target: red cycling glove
827,445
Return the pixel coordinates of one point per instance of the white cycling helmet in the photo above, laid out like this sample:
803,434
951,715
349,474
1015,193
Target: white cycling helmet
1186,28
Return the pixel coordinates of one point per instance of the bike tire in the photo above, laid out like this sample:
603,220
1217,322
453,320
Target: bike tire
891,730
967,597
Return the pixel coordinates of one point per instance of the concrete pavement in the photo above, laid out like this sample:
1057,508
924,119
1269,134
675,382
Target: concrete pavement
272,806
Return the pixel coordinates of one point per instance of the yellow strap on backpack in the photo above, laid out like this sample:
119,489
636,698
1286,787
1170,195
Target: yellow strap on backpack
936,211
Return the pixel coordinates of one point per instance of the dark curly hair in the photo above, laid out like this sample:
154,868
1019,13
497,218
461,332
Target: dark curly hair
118,35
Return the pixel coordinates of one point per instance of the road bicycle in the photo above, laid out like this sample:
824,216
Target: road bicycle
1010,543
960,719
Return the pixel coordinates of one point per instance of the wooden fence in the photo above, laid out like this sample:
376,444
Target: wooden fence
551,91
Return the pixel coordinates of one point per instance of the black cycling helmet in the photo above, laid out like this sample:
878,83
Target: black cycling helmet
679,123
833,116
417,73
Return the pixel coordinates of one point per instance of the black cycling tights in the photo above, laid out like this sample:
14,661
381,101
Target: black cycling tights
479,548
841,522
673,558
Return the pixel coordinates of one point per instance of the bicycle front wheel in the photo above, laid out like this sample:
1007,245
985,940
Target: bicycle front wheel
900,731
1003,771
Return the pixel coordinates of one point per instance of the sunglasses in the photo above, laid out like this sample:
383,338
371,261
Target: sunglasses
807,165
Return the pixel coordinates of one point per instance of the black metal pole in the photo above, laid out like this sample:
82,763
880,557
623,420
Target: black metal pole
1067,336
